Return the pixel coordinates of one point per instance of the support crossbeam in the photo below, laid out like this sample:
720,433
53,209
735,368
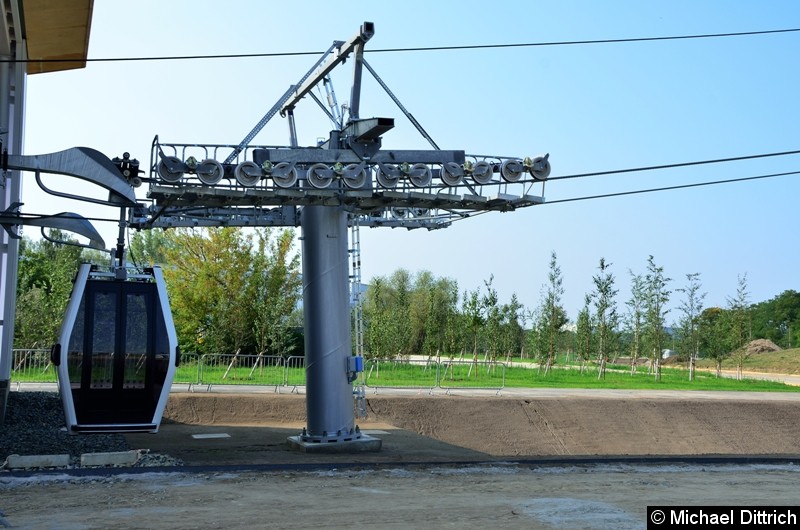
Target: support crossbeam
347,156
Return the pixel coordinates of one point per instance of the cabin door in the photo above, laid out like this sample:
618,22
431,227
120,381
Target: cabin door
118,377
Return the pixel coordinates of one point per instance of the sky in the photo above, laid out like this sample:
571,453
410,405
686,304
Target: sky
592,107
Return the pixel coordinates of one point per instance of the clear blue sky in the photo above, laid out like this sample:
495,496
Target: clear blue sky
592,107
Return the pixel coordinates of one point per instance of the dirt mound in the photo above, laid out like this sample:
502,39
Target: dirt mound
762,346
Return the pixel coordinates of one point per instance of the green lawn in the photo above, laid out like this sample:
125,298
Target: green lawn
483,375
452,375
671,379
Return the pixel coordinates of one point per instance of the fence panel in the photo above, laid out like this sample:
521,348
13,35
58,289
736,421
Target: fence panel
472,374
237,369
188,371
401,373
295,371
32,366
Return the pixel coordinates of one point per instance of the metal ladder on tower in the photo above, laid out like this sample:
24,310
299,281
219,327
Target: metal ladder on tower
359,390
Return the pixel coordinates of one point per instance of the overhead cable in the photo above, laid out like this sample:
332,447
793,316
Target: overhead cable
571,199
677,187
669,166
582,42
407,50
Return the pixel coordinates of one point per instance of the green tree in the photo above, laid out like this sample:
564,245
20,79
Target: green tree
407,315
434,312
739,315
656,300
472,309
688,326
277,288
149,247
401,290
207,279
583,333
553,316
45,277
606,317
713,328
432,307
493,320
512,329
778,319
220,283
379,336
636,317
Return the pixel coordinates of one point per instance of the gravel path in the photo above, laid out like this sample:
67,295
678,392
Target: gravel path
35,425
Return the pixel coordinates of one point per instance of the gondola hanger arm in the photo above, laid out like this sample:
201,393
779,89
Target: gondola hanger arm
67,221
80,162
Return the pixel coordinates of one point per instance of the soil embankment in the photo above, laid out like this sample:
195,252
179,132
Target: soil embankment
514,427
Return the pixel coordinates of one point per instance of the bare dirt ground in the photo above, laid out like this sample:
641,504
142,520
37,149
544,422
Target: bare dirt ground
506,427
513,466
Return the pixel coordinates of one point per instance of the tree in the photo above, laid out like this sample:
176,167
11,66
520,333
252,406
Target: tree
656,299
472,309
778,319
449,322
534,338
713,328
276,291
636,317
378,334
583,333
418,310
606,318
552,315
207,282
44,284
739,314
410,316
441,300
690,307
512,330
219,281
493,324
149,247
400,311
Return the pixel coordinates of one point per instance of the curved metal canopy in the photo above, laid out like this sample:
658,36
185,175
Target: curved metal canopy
67,221
81,162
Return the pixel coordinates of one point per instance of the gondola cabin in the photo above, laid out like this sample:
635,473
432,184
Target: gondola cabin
117,351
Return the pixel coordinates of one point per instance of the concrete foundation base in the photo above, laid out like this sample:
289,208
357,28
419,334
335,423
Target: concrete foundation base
36,461
364,444
119,458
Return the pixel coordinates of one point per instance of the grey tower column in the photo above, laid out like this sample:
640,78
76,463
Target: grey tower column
326,308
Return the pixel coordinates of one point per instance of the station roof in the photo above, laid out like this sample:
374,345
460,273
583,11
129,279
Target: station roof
56,29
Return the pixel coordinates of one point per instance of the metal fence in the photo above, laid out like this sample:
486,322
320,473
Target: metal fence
430,374
401,373
34,366
295,371
472,374
261,370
